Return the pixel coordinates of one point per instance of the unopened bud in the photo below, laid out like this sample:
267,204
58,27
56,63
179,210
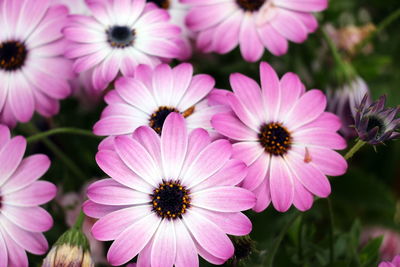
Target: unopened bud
244,247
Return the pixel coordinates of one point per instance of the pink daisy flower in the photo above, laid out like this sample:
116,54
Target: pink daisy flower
169,198
394,263
283,134
253,24
120,35
152,95
22,221
33,73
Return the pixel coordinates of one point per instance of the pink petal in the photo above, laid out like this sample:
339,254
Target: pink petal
224,199
326,121
163,85
3,252
10,157
230,126
281,184
270,91
241,111
37,193
117,125
186,252
4,136
263,196
250,43
291,90
303,5
203,17
132,240
257,172
230,29
96,210
289,26
320,138
198,140
273,40
150,140
174,143
21,98
198,89
247,151
303,199
163,252
16,254
209,236
182,76
33,219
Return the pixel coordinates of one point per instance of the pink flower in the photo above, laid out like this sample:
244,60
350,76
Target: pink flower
33,73
390,246
22,221
169,198
148,98
283,134
119,36
253,24
394,263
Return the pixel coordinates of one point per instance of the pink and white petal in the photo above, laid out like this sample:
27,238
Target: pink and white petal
37,193
208,256
273,40
198,140
96,210
21,98
45,105
163,86
309,107
150,140
4,136
3,252
308,20
208,235
211,159
247,151
132,240
281,184
263,195
34,243
186,252
198,89
232,223
111,163
240,110
326,121
257,172
144,257
174,143
202,119
325,139
136,94
16,254
270,91
251,47
303,199
30,169
136,157
232,173
230,29
118,125
163,251
30,15
33,219
117,109
291,89
10,157
157,47
144,73
87,62
289,26
230,126
204,40
109,192
310,176
204,17
113,224
223,199
303,5
182,76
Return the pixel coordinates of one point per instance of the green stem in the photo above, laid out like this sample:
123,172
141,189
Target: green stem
381,26
32,129
64,130
79,221
331,222
279,238
354,149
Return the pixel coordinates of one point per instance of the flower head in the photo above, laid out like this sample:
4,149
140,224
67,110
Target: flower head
149,97
390,246
169,198
33,73
375,123
22,221
394,263
223,25
283,134
118,37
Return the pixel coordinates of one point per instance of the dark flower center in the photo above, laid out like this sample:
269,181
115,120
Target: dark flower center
375,122
170,200
161,3
157,118
120,36
250,5
275,138
12,55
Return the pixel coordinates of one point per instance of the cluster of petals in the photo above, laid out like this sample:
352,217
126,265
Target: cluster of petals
120,35
299,169
155,93
33,71
140,165
22,221
394,263
253,25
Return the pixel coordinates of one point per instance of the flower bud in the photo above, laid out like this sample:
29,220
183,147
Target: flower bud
244,247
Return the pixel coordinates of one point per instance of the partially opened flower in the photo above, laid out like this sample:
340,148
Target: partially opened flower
169,198
283,134
394,263
33,73
22,221
149,97
252,24
119,36
178,12
376,124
